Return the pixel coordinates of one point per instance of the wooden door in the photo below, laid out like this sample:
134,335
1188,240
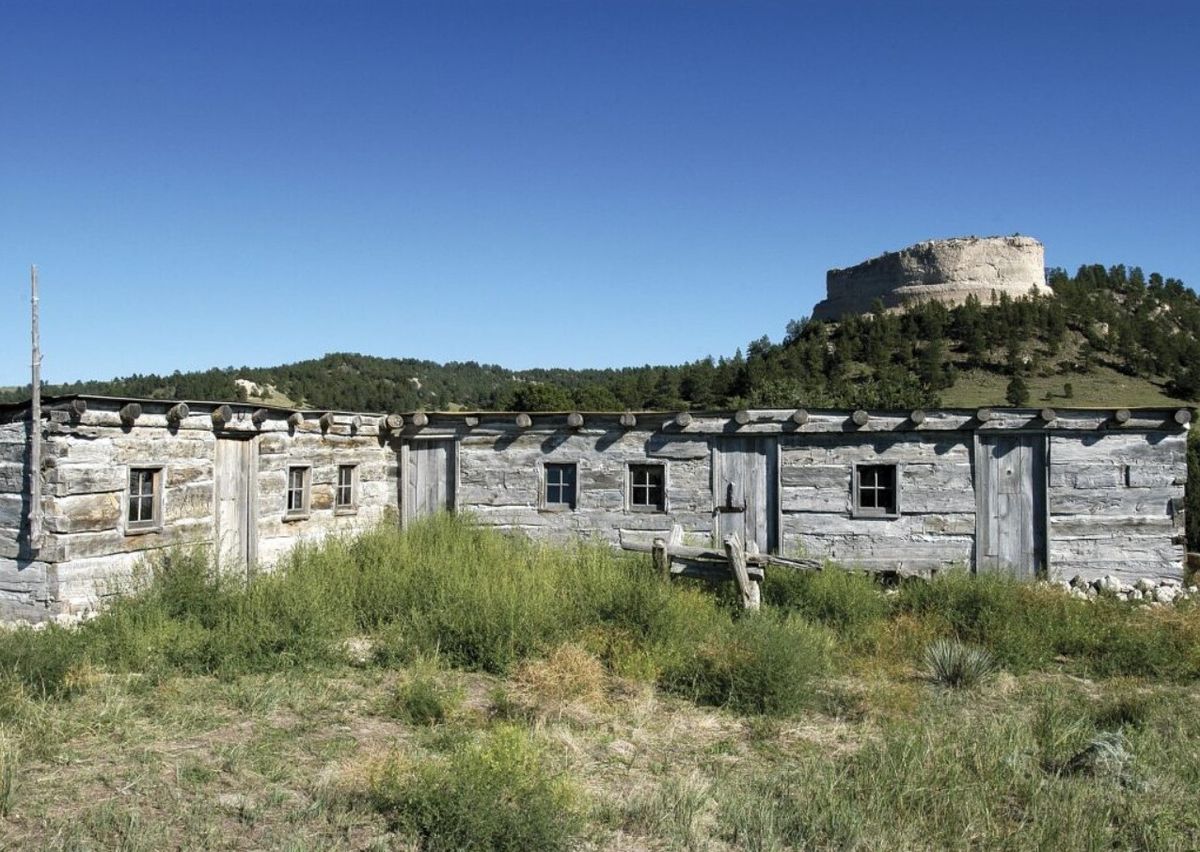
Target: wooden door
746,490
1010,491
236,502
429,477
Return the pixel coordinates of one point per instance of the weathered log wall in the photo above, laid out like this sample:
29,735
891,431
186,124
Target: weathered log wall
501,469
936,527
1116,505
26,579
1115,485
87,461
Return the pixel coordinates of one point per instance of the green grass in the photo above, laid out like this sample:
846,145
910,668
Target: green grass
1103,387
518,695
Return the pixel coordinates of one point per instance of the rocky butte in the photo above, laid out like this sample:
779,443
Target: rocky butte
944,270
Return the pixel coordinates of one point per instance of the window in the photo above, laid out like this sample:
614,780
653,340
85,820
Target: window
560,486
647,488
875,491
343,498
297,492
143,510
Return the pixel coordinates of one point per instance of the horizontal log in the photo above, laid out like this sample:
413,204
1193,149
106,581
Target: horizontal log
706,570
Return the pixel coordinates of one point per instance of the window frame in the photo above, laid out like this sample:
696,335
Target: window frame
857,509
544,503
306,510
157,478
659,508
351,507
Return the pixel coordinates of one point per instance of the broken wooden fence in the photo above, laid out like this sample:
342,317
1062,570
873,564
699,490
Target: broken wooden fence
743,563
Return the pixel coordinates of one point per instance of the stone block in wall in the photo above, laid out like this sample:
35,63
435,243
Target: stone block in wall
1119,448
321,496
1154,476
13,510
814,500
273,444
83,513
68,478
835,477
12,477
669,447
1122,502
182,502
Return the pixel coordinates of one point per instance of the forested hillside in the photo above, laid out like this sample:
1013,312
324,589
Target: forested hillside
1108,333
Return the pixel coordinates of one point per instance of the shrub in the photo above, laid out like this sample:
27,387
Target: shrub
497,794
852,604
422,699
763,663
959,666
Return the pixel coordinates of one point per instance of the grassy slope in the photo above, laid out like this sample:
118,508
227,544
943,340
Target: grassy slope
486,671
1104,387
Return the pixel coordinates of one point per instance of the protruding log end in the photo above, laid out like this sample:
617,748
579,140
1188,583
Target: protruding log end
1049,415
683,420
259,417
177,412
628,420
221,415
1183,416
741,417
983,415
420,420
860,417
574,420
799,416
326,421
78,407
1122,415
917,417
130,412
524,421
356,422
295,419
391,423
470,421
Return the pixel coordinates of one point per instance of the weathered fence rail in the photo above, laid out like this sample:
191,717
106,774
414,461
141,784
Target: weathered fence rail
742,563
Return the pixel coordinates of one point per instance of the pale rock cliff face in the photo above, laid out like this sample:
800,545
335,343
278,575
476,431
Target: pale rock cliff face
944,270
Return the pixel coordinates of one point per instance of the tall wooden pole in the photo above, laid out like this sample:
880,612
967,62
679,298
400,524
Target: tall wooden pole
35,425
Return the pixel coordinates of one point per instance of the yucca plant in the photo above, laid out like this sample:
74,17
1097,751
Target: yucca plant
958,665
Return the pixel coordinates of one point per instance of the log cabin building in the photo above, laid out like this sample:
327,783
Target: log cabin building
1047,494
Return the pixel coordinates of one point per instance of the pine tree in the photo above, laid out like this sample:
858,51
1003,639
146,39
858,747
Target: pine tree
1017,392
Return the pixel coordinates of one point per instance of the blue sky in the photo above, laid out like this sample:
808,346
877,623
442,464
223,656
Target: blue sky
555,183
